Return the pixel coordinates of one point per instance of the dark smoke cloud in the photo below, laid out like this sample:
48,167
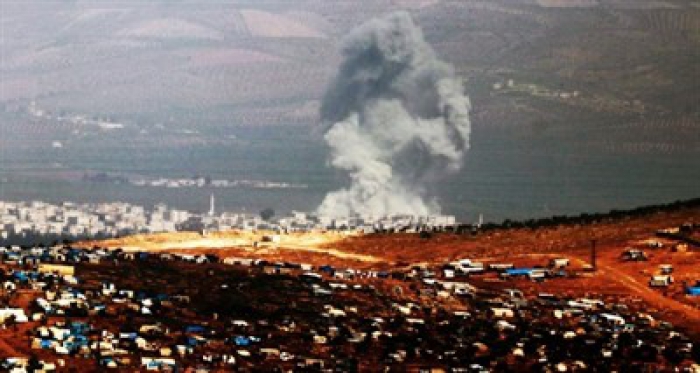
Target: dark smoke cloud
398,119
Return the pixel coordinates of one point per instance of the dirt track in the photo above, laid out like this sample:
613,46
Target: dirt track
690,315
333,252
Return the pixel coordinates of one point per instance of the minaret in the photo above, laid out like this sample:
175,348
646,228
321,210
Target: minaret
211,205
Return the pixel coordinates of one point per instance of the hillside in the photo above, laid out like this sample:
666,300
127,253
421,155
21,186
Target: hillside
519,246
498,298
631,61
577,105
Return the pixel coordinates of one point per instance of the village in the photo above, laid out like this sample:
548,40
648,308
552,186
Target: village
102,220
102,308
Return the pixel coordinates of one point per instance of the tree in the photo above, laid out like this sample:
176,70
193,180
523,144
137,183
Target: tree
267,214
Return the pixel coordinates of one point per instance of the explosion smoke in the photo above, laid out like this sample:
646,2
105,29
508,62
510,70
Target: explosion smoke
399,120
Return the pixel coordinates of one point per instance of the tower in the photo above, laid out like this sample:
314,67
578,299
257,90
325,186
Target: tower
212,209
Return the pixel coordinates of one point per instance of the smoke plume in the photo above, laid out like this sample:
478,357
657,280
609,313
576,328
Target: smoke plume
398,120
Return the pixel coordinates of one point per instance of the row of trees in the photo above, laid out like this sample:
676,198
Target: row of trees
585,218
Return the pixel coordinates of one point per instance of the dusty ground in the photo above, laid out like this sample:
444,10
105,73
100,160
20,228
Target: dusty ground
519,246
315,248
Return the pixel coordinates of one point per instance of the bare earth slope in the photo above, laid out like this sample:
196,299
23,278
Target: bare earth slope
523,247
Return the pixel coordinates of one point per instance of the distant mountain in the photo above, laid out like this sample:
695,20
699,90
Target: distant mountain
624,72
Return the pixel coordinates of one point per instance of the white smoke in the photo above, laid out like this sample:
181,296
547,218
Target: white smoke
398,121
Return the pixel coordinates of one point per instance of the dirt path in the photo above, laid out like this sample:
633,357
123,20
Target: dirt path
643,291
333,252
690,314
